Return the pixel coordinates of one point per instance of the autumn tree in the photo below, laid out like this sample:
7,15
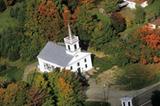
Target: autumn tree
118,22
4,81
66,15
67,87
2,93
36,96
15,94
41,25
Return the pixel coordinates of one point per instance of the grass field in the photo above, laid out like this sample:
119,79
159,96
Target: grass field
6,20
12,73
102,64
15,69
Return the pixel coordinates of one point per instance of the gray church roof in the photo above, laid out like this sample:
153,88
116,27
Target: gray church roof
55,54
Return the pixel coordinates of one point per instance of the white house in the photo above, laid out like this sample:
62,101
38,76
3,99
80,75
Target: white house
132,3
155,24
68,57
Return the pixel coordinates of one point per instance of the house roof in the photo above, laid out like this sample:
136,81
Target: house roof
138,1
157,21
55,54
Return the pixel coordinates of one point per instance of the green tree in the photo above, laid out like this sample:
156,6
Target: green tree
21,95
72,4
86,21
18,12
2,5
152,10
109,5
11,40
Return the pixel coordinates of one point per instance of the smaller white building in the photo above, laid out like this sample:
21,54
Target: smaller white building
68,57
126,101
155,24
132,3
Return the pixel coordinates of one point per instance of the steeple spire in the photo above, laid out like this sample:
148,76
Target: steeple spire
71,42
70,32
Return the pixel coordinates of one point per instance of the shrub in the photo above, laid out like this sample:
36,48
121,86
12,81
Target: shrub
2,67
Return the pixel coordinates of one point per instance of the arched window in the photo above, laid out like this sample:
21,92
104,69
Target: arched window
86,66
78,64
69,47
75,46
71,67
85,60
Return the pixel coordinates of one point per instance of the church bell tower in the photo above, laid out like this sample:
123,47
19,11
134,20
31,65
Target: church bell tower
71,43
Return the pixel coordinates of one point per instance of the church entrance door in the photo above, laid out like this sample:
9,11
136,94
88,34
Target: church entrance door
79,70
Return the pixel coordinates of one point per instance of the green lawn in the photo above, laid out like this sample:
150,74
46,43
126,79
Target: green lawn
102,63
13,73
6,20
14,69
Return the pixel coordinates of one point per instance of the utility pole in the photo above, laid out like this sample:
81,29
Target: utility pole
104,86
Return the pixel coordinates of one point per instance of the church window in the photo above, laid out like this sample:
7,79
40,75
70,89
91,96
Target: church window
75,46
86,66
123,103
53,68
85,60
129,104
69,47
71,67
78,64
47,66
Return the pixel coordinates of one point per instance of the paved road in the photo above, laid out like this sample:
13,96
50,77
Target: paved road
144,99
99,93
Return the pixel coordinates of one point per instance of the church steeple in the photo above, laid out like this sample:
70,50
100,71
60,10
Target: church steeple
69,32
71,42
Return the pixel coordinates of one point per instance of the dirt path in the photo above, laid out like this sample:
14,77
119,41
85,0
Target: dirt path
97,91
30,68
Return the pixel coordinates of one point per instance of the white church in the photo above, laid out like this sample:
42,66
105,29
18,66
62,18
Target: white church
68,57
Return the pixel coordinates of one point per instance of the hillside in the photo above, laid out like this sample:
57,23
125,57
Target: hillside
117,37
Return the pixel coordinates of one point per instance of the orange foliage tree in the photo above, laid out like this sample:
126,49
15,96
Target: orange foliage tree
66,15
151,39
68,88
47,7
